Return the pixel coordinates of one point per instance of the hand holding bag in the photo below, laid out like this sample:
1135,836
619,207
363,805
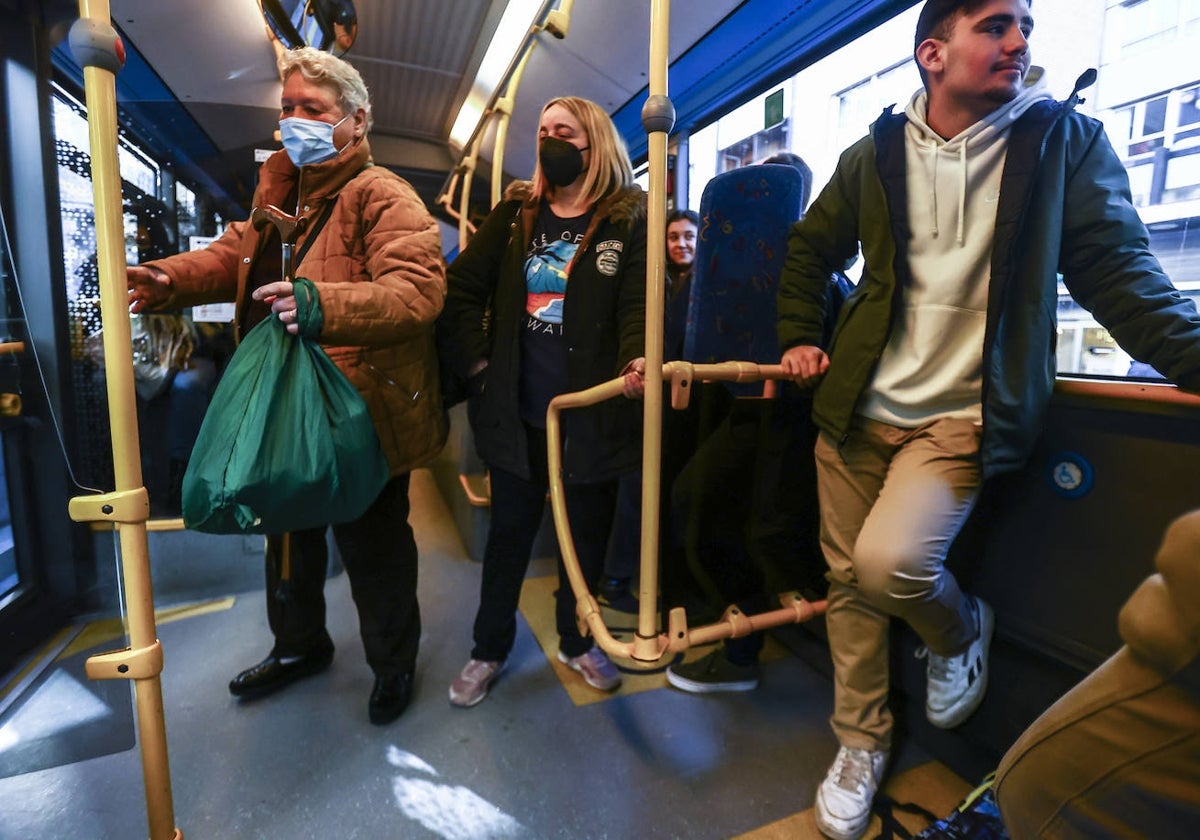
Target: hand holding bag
287,442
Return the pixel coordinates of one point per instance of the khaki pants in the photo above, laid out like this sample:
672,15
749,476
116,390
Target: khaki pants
1117,756
892,502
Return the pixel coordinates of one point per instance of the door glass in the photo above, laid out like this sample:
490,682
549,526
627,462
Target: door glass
51,712
9,578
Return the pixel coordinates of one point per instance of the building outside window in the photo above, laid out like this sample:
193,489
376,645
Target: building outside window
1147,94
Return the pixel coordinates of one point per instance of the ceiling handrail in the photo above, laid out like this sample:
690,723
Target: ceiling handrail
556,21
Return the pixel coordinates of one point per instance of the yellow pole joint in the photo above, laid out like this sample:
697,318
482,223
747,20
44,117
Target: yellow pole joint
126,664
682,375
803,609
118,506
739,625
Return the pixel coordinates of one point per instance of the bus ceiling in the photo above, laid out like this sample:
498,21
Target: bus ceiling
209,121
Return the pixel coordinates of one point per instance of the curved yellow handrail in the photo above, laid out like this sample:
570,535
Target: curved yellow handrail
651,646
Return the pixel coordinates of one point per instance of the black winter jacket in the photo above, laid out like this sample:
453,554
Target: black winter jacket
604,315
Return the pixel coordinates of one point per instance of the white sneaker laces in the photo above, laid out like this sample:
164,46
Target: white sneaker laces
941,668
853,769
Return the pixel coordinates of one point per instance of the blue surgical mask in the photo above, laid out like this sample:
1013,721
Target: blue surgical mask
309,141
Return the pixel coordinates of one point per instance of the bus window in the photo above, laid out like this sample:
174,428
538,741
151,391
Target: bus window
1147,95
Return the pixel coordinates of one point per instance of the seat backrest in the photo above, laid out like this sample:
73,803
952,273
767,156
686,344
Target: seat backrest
745,216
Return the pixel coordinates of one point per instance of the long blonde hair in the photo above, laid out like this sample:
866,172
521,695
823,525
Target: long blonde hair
610,169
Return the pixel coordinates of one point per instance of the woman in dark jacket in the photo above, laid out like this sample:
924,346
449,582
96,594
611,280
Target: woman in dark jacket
549,298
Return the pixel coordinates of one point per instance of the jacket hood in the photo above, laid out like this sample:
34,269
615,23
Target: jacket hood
1033,91
969,145
627,204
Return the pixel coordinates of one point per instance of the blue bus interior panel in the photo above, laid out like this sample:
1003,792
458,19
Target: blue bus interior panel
166,127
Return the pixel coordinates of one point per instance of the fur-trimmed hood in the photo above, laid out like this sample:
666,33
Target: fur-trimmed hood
626,205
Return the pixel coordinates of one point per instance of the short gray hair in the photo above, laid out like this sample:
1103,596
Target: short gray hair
327,69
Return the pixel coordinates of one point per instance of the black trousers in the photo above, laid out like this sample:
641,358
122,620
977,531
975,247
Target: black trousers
746,509
380,556
516,514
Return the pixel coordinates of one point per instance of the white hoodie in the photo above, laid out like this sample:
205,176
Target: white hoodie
932,366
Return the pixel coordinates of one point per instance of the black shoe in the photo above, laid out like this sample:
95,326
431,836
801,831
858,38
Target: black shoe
273,673
389,698
613,588
713,672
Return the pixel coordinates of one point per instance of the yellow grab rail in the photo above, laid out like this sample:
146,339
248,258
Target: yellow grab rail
650,646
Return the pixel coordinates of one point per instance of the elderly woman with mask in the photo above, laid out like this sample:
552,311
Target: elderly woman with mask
371,254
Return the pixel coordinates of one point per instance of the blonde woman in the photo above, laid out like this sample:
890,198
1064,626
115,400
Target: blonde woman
560,264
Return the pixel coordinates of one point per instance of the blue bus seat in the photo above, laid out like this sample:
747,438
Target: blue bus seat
745,216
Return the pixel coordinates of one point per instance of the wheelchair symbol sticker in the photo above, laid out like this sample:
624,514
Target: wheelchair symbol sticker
1071,475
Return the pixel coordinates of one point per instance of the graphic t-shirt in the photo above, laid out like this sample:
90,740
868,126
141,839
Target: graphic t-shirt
551,251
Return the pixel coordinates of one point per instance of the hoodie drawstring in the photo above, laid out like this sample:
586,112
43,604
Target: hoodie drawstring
962,192
933,191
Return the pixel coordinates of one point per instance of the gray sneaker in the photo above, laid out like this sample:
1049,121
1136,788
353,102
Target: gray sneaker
713,673
597,670
472,685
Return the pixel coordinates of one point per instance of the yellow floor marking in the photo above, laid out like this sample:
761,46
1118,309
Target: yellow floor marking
35,661
933,786
106,630
537,606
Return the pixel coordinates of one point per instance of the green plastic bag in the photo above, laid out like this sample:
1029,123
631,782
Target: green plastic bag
286,444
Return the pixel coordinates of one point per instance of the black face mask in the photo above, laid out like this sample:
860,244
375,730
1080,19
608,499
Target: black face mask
561,161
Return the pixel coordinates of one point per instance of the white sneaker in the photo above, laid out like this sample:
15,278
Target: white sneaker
596,668
844,798
956,684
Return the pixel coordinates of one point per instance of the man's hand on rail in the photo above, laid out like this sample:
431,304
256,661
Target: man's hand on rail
635,381
805,363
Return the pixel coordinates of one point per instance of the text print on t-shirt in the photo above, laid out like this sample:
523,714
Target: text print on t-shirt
546,279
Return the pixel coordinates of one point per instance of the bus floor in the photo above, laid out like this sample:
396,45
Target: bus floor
542,757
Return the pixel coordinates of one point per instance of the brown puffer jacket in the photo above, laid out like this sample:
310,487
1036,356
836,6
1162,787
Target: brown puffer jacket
380,278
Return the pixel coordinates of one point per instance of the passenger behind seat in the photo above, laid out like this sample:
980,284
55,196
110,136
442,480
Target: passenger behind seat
746,502
1119,754
680,430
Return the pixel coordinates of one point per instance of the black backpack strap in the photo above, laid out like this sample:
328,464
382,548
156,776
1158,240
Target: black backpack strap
884,807
321,219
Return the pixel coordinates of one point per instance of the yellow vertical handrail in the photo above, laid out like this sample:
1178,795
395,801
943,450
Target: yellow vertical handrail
500,104
99,50
557,23
649,645
503,112
658,118
467,168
